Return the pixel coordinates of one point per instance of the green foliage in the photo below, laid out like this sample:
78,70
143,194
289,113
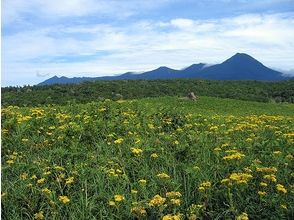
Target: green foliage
282,91
151,158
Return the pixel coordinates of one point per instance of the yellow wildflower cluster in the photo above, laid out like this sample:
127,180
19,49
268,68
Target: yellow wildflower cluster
243,216
266,169
173,194
64,199
238,178
39,215
172,217
157,200
118,141
270,177
142,182
281,188
234,156
136,151
204,186
163,176
139,211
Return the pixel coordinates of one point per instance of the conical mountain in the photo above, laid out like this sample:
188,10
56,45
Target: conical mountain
241,66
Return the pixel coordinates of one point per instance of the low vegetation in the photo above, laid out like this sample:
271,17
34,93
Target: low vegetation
282,91
155,158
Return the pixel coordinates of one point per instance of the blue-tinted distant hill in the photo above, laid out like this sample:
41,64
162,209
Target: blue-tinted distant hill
239,67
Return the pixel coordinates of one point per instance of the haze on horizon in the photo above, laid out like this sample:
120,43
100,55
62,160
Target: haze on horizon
94,38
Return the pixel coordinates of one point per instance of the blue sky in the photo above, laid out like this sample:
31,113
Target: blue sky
41,39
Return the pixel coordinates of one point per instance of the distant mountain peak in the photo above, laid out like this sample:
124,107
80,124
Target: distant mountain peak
163,68
241,66
242,59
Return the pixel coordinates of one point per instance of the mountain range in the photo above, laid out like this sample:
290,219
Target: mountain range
241,66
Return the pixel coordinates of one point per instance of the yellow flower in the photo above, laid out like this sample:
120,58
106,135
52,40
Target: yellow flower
139,211
172,217
46,191
47,173
281,188
154,155
267,169
261,193
119,198
64,199
263,184
134,191
283,206
39,215
243,216
157,200
69,180
240,177
205,185
163,176
234,156
10,162
59,168
24,176
201,189
136,151
176,202
41,181
118,141
277,152
270,177
142,182
111,203
173,194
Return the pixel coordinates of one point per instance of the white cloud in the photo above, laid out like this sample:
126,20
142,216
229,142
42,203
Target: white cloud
144,45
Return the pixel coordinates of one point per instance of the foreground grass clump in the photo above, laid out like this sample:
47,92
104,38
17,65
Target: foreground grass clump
146,159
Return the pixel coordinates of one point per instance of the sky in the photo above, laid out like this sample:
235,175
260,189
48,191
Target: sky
93,38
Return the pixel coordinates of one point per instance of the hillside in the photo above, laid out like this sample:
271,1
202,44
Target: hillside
239,67
282,91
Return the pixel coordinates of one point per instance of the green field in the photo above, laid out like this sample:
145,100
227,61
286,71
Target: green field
153,158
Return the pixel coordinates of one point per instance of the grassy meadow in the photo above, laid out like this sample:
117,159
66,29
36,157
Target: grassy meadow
153,158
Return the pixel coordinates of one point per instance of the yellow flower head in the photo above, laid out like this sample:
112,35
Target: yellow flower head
119,198
41,181
176,202
118,141
154,155
111,203
205,185
281,188
136,151
46,191
39,215
157,200
64,199
234,156
243,216
172,217
139,211
69,180
163,176
173,194
133,191
261,193
270,177
142,182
